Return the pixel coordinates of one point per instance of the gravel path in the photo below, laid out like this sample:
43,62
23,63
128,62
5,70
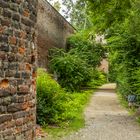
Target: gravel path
106,119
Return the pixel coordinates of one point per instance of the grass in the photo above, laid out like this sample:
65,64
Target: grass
55,132
60,112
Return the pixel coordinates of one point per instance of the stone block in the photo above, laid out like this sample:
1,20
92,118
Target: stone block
5,117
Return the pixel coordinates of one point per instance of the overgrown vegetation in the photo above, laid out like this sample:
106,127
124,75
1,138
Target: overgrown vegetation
61,102
76,66
119,21
124,46
56,107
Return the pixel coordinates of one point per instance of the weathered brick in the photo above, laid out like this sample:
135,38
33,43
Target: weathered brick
18,99
12,40
20,114
15,24
21,50
4,83
4,92
19,122
8,31
7,132
9,73
5,22
7,13
3,109
17,104
16,17
12,57
26,75
14,7
4,48
17,75
26,13
10,138
2,29
27,22
24,89
13,66
22,34
4,4
3,56
15,107
5,117
4,38
5,65
7,100
33,17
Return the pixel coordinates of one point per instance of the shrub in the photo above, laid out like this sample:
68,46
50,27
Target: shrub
54,105
90,52
48,92
124,46
98,78
72,71
74,66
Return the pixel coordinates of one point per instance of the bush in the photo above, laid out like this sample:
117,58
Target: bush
74,67
90,52
48,92
72,71
54,105
124,46
98,79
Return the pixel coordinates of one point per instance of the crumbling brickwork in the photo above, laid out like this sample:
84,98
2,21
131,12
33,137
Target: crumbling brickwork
17,69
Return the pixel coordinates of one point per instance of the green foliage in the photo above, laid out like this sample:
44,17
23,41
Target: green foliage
107,13
98,79
72,72
48,92
89,51
75,65
124,47
119,21
54,105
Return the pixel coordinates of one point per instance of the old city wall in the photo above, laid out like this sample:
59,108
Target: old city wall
17,69
53,30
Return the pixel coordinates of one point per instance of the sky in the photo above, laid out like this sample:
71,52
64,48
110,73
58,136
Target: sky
62,7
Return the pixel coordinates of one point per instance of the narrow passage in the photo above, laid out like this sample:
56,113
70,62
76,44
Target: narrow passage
106,119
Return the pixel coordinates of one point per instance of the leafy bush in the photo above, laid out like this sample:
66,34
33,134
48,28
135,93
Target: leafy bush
98,79
124,46
48,92
74,66
54,105
89,51
72,72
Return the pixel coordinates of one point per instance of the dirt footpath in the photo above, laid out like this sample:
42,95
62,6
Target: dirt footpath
106,119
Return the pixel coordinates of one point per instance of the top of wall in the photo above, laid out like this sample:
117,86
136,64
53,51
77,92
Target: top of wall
51,9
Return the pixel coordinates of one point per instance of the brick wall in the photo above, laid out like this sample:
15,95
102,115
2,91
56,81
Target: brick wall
17,69
53,30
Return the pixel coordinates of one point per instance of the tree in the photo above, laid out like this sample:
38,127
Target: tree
57,5
107,13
